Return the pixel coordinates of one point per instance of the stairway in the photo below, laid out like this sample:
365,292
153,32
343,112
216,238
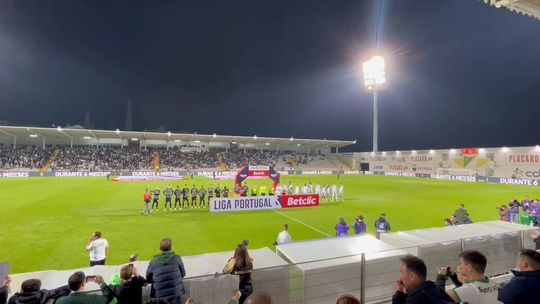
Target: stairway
222,165
345,164
156,162
293,162
52,158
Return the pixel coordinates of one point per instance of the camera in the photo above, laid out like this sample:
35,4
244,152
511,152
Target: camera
90,279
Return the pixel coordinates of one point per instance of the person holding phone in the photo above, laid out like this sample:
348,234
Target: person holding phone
77,283
98,249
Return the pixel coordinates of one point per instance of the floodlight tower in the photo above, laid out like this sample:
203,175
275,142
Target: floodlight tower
374,78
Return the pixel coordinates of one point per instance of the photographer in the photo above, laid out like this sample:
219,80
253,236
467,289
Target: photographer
130,290
472,286
503,213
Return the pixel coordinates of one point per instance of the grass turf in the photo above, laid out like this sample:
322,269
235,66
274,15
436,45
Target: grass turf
46,222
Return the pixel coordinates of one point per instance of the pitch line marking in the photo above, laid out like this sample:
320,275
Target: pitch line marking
300,222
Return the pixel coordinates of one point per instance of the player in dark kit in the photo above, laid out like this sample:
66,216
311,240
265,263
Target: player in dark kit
225,191
202,194
218,191
177,198
210,193
185,196
155,201
168,192
194,197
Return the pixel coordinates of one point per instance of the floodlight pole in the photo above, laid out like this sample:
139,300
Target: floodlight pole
375,122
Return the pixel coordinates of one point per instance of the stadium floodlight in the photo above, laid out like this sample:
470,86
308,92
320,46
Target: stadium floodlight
374,77
134,139
298,145
233,142
354,142
168,133
117,131
214,135
87,137
537,147
504,149
255,137
384,153
59,129
452,151
482,150
177,140
291,139
397,152
431,151
372,153
33,135
413,151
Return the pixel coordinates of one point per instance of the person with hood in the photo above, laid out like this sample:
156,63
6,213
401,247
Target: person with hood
165,272
382,225
360,226
31,293
342,229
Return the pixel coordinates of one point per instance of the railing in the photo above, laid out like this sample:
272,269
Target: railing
371,276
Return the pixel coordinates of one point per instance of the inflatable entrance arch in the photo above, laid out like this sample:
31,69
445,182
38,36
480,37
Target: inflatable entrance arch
257,171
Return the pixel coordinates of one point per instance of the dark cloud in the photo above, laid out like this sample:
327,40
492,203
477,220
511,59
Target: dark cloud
460,73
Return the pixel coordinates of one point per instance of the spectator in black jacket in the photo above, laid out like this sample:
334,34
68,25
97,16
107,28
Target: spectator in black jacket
412,288
165,272
241,264
130,291
4,290
31,293
523,287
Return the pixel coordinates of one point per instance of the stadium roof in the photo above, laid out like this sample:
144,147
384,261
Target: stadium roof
529,8
81,133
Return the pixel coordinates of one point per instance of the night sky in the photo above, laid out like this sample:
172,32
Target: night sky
460,73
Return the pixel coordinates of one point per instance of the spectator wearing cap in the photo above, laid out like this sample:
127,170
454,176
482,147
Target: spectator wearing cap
31,293
165,272
523,287
77,283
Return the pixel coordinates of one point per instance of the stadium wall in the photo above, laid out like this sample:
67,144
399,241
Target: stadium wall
509,163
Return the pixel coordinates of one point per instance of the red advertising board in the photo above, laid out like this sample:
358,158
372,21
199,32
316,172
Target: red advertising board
299,201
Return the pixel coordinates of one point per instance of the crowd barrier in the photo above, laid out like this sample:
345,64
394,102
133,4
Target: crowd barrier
301,273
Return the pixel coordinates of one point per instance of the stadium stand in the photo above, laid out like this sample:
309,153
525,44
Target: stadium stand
101,158
26,157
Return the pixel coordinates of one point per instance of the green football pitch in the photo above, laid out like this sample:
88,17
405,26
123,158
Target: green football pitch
46,222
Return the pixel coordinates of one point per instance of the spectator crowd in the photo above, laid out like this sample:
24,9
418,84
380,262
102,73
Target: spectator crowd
116,158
